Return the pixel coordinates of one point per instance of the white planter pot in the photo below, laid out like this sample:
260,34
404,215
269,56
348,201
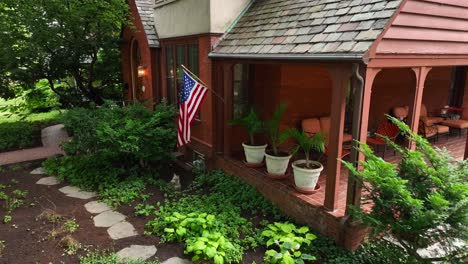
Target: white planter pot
254,154
277,166
306,179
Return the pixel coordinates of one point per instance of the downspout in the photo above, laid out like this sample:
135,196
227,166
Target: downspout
358,83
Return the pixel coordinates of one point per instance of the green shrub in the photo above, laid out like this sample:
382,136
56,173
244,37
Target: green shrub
23,132
419,202
19,135
129,136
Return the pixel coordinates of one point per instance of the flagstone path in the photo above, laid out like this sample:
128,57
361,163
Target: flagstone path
117,227
51,138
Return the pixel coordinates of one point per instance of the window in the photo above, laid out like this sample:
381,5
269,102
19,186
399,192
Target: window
241,92
176,56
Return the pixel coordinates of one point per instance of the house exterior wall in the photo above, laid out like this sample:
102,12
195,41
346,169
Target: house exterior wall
148,56
305,89
192,17
434,27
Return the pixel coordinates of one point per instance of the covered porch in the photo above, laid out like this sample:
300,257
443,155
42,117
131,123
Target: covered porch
314,90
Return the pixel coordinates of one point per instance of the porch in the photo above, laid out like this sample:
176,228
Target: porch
333,91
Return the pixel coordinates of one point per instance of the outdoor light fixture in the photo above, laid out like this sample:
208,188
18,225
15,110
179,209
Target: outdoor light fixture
141,71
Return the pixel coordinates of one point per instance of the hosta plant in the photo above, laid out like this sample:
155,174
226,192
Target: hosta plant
285,243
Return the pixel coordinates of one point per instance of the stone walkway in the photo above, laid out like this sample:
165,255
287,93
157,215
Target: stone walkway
117,227
51,138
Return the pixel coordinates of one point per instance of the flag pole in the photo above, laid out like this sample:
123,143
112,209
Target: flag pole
196,77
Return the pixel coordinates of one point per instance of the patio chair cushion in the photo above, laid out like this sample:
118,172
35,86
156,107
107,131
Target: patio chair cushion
431,120
429,131
311,126
460,123
442,129
401,112
423,110
325,125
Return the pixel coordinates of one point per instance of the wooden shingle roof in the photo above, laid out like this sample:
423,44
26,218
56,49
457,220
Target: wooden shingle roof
146,12
307,27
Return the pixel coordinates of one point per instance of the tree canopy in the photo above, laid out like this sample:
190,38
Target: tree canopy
73,44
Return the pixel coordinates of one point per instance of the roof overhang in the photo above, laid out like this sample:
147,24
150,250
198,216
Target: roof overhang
295,57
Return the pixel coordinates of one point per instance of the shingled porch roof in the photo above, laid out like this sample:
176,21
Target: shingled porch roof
328,28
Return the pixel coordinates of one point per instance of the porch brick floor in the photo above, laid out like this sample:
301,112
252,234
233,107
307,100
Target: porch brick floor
454,144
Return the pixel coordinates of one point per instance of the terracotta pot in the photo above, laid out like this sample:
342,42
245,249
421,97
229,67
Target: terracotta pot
277,165
254,154
306,179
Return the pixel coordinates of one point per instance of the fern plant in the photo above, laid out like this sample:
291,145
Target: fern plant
272,129
305,143
252,122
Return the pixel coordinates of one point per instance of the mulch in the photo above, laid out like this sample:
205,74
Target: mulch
28,239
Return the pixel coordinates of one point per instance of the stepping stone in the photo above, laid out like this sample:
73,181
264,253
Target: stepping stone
136,252
177,260
69,189
82,195
122,230
48,181
108,219
39,170
96,207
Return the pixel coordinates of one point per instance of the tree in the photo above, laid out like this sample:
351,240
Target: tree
419,202
73,44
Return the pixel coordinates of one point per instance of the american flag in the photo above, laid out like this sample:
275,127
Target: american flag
191,97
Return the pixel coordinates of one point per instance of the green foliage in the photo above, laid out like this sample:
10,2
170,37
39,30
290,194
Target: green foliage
288,241
17,133
144,209
252,122
56,40
7,219
272,128
71,226
218,211
374,252
200,232
38,100
114,150
106,257
306,143
421,201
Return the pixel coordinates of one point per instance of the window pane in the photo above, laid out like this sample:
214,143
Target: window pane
241,94
170,76
180,59
193,59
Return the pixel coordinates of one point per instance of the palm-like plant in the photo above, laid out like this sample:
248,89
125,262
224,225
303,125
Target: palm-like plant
251,122
272,128
306,143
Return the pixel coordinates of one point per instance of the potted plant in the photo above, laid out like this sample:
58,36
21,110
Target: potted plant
254,153
276,161
306,172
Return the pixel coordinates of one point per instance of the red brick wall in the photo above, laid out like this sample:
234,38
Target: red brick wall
138,33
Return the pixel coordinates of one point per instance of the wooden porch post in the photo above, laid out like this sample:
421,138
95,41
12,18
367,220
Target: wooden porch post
421,74
340,77
228,93
466,148
354,188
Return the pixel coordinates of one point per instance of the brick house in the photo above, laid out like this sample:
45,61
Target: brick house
351,60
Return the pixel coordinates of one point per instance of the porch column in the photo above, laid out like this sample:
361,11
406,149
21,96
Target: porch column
228,94
340,77
361,120
466,148
421,74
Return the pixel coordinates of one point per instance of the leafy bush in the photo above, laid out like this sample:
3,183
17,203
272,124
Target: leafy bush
219,201
289,242
114,150
129,136
421,201
18,133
